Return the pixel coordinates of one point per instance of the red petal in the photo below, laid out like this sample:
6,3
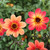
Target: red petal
43,26
1,19
4,30
29,20
38,11
30,44
1,33
45,19
29,48
38,28
31,14
41,45
44,49
31,27
37,43
43,13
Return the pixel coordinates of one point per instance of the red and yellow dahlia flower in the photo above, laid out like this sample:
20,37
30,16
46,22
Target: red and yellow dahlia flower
37,20
14,26
37,46
2,30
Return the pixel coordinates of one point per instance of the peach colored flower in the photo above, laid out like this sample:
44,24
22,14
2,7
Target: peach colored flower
2,30
37,20
37,46
14,26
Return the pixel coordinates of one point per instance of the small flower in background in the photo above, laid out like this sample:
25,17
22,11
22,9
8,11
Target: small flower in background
2,30
23,38
10,4
14,26
39,35
49,25
37,20
37,46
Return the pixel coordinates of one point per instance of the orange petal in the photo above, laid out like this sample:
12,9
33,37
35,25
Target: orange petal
8,33
30,44
22,24
7,20
5,25
16,34
13,17
18,18
21,31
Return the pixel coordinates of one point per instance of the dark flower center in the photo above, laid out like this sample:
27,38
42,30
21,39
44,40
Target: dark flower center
38,19
14,26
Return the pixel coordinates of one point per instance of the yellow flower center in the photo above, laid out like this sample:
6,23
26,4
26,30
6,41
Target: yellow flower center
37,20
14,26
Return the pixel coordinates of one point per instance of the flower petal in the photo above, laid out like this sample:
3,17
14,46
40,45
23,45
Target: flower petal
43,26
44,49
38,11
1,19
31,14
31,27
1,33
43,14
31,45
29,48
22,24
7,20
29,20
18,18
37,43
16,34
5,26
8,33
41,45
4,30
38,27
45,19
13,17
21,31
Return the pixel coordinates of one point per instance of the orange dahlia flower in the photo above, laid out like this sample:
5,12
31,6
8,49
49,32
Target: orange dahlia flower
37,20
2,30
14,26
37,46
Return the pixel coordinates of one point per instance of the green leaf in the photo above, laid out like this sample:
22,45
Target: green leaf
16,47
4,39
26,15
9,43
12,46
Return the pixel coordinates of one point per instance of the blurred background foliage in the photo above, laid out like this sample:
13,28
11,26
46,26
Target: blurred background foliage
22,7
